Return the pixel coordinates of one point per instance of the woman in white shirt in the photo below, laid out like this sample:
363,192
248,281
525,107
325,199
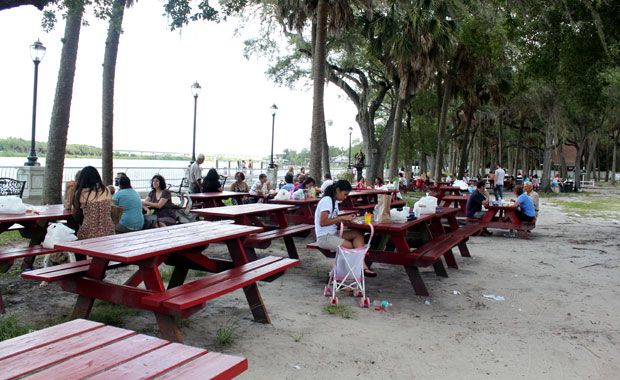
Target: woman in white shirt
326,220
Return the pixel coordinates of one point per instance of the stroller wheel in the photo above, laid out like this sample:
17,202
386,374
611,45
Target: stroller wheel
333,301
327,291
357,293
365,302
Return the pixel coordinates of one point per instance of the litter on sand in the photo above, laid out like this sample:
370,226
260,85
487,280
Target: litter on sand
456,292
493,297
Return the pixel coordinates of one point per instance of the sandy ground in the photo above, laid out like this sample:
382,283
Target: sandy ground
559,320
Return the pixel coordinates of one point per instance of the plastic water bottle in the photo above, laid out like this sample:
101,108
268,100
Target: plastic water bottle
384,304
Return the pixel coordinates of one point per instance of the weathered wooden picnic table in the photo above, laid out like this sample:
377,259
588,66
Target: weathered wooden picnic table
303,212
82,349
494,218
443,191
178,245
31,225
366,200
257,214
215,199
459,201
393,244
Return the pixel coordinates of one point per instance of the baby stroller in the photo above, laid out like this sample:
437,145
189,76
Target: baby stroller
348,272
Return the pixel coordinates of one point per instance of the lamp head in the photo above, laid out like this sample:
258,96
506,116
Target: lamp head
196,89
37,51
350,130
274,109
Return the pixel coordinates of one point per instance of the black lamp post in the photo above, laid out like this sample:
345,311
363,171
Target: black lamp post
37,52
350,132
195,91
274,110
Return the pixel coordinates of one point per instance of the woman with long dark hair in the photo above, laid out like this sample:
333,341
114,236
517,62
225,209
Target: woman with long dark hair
326,221
92,205
160,199
211,182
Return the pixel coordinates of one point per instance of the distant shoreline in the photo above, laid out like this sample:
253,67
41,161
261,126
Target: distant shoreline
121,157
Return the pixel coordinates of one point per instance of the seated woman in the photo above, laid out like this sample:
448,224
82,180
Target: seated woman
306,185
132,218
326,220
239,186
288,178
378,182
160,199
91,207
361,184
211,182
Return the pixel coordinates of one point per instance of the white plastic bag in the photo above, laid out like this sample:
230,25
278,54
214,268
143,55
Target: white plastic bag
426,205
460,184
283,195
11,205
299,194
398,216
58,233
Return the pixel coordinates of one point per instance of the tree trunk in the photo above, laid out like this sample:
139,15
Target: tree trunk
563,166
614,157
318,68
500,144
577,171
545,180
398,124
59,125
423,167
591,163
107,104
441,132
324,157
465,145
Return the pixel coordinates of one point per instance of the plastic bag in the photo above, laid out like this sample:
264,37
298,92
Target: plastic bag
11,205
398,216
299,194
283,195
58,233
426,205
460,184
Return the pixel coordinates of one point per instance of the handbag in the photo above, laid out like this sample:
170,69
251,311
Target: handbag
116,213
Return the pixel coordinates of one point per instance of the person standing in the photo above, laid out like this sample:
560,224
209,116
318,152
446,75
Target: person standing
498,189
195,175
360,162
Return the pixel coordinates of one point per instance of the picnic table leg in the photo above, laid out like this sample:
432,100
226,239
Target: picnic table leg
290,247
416,280
454,225
84,304
255,301
440,270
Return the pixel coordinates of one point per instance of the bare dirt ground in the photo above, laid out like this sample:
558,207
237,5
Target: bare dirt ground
559,318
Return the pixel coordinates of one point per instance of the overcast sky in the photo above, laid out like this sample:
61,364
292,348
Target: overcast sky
153,101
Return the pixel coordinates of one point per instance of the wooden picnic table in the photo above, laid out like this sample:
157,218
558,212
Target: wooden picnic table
459,201
179,245
494,216
31,225
82,349
393,244
215,199
303,211
443,191
256,214
362,200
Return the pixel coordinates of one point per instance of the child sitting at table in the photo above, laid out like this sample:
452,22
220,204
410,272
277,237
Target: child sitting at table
326,220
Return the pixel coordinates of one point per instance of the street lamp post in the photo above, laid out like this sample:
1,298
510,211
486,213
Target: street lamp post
350,132
37,52
274,110
195,91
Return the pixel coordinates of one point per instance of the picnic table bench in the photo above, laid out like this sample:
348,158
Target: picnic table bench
366,199
31,225
256,214
84,349
393,246
178,245
493,218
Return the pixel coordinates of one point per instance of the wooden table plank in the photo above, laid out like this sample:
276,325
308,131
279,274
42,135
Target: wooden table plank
239,210
41,357
39,212
46,336
217,195
153,363
101,359
213,366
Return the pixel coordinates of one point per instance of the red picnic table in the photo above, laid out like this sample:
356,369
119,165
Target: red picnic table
214,199
257,214
82,349
31,225
443,191
303,211
180,245
494,216
366,199
459,201
393,244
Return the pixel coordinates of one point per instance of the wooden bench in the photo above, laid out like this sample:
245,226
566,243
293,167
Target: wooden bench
263,239
64,271
198,292
82,349
398,204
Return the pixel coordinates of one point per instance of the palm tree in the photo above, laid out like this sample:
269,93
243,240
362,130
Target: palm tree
59,125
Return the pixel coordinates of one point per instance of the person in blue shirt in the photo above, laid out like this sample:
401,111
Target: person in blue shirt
288,178
526,211
132,218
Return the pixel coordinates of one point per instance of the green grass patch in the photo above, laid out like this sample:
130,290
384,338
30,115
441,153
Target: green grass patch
339,309
10,236
227,334
10,327
605,208
110,314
